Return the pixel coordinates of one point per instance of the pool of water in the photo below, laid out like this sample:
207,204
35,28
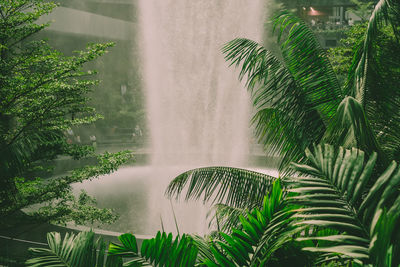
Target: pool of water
137,195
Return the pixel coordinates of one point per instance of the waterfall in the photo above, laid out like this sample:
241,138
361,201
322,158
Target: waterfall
198,110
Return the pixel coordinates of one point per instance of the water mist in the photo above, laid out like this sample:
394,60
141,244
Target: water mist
198,111
197,108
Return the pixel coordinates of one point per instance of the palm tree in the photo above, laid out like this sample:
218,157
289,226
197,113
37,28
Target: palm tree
299,102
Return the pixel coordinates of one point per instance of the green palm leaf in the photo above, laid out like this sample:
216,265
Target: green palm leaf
294,99
336,193
308,63
280,107
262,232
161,250
203,244
374,73
386,11
351,128
73,251
226,217
231,186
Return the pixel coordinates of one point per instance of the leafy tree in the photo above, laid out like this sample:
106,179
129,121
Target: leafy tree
44,93
363,8
342,55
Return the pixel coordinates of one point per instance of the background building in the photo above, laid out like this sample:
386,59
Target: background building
119,96
328,18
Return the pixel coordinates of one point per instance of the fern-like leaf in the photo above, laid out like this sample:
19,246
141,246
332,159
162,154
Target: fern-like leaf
336,193
73,251
231,186
162,250
263,231
294,99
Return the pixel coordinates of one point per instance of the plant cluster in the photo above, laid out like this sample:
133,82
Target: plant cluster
43,94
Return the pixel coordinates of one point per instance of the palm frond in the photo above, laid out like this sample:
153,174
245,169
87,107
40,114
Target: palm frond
384,231
308,63
203,244
283,117
294,99
79,250
386,11
161,250
263,231
231,186
351,128
227,217
382,91
374,73
287,133
335,193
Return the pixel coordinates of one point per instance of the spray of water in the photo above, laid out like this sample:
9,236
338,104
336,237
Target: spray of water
198,110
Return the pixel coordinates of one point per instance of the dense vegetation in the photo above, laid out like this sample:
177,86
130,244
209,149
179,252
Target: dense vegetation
43,94
337,202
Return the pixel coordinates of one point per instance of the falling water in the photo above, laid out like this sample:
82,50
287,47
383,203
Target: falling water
197,108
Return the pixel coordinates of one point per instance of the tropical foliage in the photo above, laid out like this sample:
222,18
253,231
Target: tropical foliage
339,190
333,192
299,102
294,99
238,189
162,250
336,206
337,202
81,250
297,97
261,236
